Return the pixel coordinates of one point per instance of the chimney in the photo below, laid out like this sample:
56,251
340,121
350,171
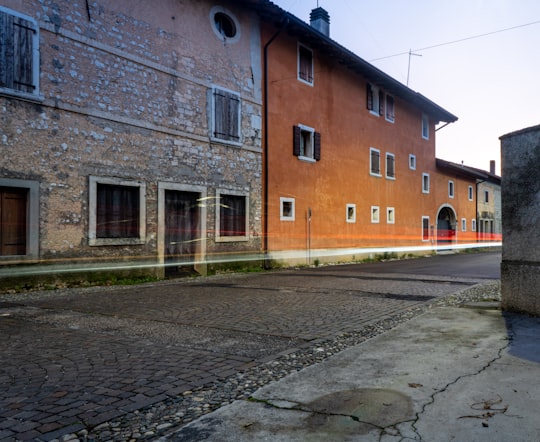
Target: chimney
320,20
492,167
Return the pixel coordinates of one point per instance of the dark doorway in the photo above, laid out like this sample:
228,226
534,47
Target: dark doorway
182,232
446,226
13,221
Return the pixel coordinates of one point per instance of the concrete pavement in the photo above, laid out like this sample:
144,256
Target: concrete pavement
451,374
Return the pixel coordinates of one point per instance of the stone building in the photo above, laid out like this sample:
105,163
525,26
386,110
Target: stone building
130,132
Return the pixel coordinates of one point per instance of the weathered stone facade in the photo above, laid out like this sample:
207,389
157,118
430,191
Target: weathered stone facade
126,98
520,272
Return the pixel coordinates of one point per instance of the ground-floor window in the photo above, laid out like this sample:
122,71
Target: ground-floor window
232,216
425,228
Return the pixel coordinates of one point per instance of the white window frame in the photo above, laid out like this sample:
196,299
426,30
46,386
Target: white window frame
424,238
375,215
389,110
425,126
390,215
213,127
235,238
471,193
451,189
379,174
35,95
375,100
229,40
463,224
412,161
390,155
298,70
282,215
309,151
350,213
473,225
92,211
425,180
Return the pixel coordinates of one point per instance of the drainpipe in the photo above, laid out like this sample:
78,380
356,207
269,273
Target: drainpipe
265,127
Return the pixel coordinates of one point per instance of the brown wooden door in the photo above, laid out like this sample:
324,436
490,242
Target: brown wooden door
13,222
181,230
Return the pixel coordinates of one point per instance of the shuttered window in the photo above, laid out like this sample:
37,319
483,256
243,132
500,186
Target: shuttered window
390,166
226,121
306,143
117,211
18,53
375,162
305,64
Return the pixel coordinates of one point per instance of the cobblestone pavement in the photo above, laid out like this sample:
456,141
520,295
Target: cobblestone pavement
121,363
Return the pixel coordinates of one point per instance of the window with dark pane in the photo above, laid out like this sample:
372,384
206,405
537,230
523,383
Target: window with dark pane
117,211
232,215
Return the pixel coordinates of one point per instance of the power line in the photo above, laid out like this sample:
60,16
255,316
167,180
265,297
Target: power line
460,40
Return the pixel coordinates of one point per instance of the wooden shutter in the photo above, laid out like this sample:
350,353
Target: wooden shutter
369,97
226,115
16,53
375,162
13,221
381,102
297,133
317,146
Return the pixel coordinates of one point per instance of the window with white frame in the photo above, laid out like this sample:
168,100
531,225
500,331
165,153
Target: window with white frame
473,225
306,143
425,228
390,166
374,99
286,209
412,161
305,64
463,225
232,216
19,54
351,213
375,214
374,161
471,193
450,189
117,211
226,116
390,215
425,127
425,183
390,108
225,25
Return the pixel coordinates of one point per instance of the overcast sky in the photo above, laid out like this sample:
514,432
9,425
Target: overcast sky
491,83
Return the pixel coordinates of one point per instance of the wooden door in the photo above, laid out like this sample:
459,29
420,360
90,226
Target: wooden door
13,221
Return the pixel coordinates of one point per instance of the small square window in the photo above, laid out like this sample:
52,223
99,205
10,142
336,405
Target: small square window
305,65
450,189
471,193
463,225
425,183
425,127
412,162
390,166
390,215
351,213
286,209
425,228
375,214
374,162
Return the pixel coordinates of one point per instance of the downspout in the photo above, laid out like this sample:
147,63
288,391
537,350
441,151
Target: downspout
265,128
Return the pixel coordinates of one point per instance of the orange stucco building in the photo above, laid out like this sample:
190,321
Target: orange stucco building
349,154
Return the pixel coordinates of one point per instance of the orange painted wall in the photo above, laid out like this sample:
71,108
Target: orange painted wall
335,106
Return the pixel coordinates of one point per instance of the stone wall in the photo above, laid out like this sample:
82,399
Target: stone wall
520,272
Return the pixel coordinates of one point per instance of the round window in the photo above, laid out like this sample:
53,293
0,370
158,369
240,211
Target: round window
225,25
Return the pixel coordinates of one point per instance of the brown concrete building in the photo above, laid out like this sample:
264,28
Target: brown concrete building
130,131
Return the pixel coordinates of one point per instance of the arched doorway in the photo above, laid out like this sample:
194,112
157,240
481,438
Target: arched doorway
446,225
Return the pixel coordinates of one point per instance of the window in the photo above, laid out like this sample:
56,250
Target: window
351,213
470,193
224,24
305,65
463,225
232,216
375,99
390,166
425,228
412,162
375,216
486,196
19,53
226,116
306,143
374,162
117,212
450,189
425,183
390,215
425,127
390,108
473,225
286,209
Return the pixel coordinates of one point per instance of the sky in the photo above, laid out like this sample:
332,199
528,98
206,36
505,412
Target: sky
490,82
